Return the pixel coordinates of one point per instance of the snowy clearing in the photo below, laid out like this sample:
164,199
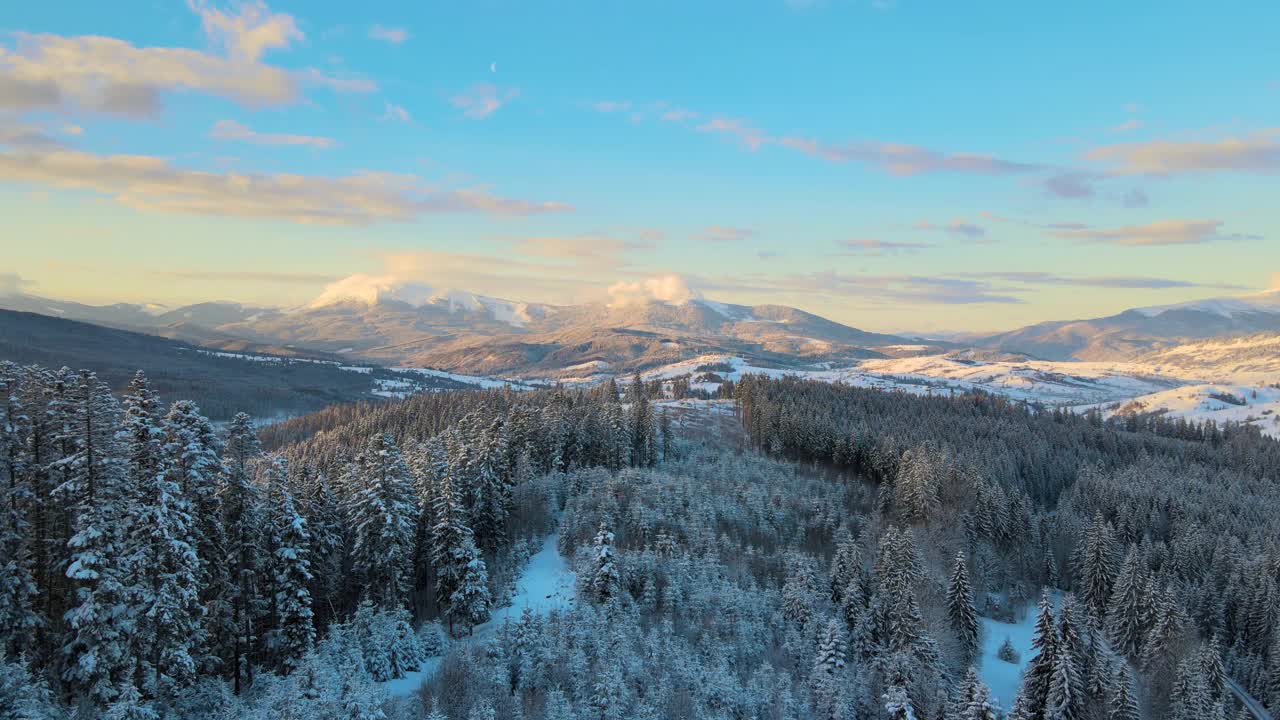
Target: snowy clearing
1002,677
544,585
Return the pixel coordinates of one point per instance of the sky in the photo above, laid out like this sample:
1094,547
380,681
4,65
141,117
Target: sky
891,164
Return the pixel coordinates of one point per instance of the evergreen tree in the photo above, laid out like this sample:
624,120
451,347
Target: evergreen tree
964,618
604,581
1124,705
244,519
641,423
1066,696
1095,566
292,632
1041,670
974,701
191,456
163,567
1127,614
19,617
98,654
383,515
459,568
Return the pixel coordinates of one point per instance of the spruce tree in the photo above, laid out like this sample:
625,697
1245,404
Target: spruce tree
1095,567
604,581
382,514
292,632
244,519
98,653
19,616
1123,703
964,618
1128,610
191,457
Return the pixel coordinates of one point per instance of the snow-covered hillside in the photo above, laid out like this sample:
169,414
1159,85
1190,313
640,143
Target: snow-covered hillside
1257,405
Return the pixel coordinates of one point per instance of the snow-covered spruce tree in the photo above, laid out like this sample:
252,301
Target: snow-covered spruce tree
974,700
129,705
382,514
98,653
964,618
191,457
19,617
491,484
291,625
163,567
641,423
604,580
1129,611
915,489
827,676
1123,703
243,517
846,564
1095,566
459,567
1038,677
1066,688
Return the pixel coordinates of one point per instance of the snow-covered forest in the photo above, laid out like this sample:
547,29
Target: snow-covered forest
803,551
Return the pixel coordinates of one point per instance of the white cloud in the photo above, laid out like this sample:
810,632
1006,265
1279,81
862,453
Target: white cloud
393,35
232,130
153,184
672,289
108,75
397,113
1159,233
250,32
11,283
483,100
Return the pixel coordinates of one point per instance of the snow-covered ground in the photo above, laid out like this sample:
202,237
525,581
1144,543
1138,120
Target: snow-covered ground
546,584
1257,405
1002,677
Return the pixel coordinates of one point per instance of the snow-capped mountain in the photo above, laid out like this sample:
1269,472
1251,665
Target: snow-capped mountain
1141,330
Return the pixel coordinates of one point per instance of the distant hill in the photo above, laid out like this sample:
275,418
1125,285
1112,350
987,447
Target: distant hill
1142,330
221,383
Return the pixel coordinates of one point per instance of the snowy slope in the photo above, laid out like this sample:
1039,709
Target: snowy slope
1066,383
546,584
1250,358
1257,405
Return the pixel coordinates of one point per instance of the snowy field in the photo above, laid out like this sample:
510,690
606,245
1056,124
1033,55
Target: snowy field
1004,678
546,584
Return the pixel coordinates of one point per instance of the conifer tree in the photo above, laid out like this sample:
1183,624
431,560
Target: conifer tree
382,514
292,632
461,577
243,518
98,654
191,457
1095,566
964,618
19,617
604,579
1128,610
1123,703
1040,672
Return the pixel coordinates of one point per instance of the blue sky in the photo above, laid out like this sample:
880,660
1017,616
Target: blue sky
905,165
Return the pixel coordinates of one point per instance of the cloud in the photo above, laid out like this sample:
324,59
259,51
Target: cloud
1115,282
107,75
1071,184
1258,152
897,289
725,233
397,113
673,289
749,137
247,34
153,184
232,130
871,247
611,106
483,100
905,160
590,248
1127,126
274,278
1159,233
393,35
11,283
958,227
28,136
